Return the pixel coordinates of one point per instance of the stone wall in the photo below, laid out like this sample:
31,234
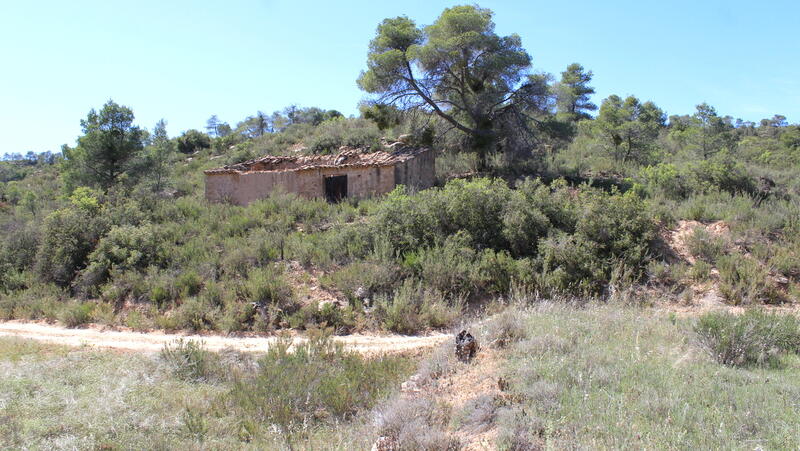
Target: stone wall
241,188
417,173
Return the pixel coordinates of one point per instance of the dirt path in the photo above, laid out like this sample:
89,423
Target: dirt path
96,337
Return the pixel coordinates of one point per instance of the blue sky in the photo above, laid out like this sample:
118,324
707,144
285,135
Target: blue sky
186,60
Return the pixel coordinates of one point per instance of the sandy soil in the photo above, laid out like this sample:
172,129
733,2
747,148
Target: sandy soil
94,336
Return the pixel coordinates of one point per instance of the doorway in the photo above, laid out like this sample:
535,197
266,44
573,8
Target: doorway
335,188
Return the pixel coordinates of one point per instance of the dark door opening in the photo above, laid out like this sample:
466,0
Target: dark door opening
335,188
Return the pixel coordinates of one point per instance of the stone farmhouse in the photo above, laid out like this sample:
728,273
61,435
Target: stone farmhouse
350,173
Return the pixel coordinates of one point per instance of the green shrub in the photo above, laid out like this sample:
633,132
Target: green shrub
316,381
39,300
720,173
188,283
190,361
267,287
196,314
414,308
618,226
700,271
341,320
68,236
523,224
235,317
363,280
332,134
74,314
665,178
570,265
452,269
752,338
744,281
705,246
18,249
192,141
786,259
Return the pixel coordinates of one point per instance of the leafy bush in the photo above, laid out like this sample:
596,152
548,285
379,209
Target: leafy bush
74,314
68,237
188,283
363,280
451,269
523,223
192,141
196,314
752,338
267,287
744,281
720,173
334,133
190,361
665,178
414,308
570,264
18,249
618,225
123,248
314,382
705,246
417,424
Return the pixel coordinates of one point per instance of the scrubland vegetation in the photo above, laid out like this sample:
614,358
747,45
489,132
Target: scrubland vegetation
537,199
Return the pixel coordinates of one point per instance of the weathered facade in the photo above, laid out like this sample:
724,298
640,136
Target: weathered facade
350,173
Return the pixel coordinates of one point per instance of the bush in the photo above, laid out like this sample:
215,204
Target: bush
123,248
705,246
196,314
317,381
505,328
74,314
665,178
523,223
414,308
570,264
192,141
752,338
68,236
267,287
18,249
452,269
744,281
188,284
363,280
190,361
417,424
618,225
720,173
331,134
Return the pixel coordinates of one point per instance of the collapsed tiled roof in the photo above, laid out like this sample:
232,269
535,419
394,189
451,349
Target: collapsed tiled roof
346,158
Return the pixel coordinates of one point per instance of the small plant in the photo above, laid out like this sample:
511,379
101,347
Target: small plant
190,361
753,338
75,314
417,424
316,381
266,286
705,246
506,328
194,423
744,281
700,271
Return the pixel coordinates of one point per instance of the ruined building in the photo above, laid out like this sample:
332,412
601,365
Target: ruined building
349,173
